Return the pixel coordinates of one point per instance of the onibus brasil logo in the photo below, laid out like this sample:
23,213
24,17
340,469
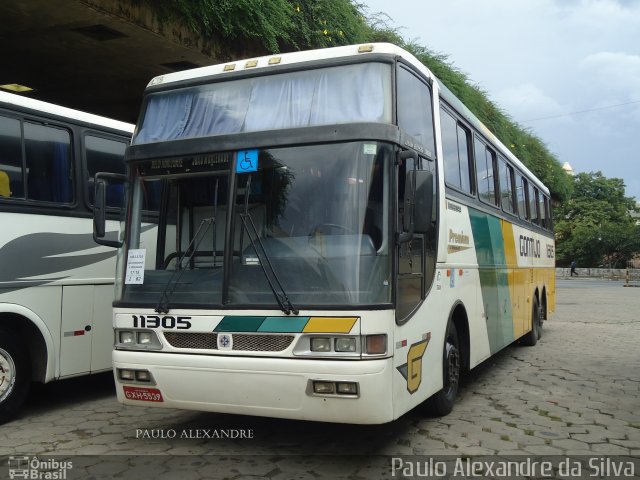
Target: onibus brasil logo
36,469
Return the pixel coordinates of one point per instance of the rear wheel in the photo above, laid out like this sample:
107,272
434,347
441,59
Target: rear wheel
531,338
442,402
15,375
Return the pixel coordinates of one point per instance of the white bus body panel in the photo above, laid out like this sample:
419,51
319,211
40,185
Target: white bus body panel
59,279
263,383
273,387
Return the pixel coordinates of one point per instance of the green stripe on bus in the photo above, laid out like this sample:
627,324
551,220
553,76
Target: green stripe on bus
283,324
494,278
240,324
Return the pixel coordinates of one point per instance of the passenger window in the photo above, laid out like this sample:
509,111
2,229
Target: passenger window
506,186
450,149
455,145
415,115
521,195
542,209
485,159
48,163
533,204
463,152
11,169
105,155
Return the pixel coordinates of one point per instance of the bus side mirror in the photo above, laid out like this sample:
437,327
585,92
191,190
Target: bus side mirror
423,201
408,202
101,183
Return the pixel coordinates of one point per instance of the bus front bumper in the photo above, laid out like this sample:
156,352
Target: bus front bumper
270,387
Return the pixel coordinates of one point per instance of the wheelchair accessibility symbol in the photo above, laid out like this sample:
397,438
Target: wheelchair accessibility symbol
247,161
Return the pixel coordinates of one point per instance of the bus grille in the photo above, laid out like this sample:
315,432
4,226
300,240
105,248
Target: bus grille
241,341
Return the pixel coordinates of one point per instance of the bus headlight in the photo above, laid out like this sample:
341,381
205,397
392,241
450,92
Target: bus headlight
341,346
347,388
324,388
345,344
137,339
127,337
320,344
126,375
333,388
129,375
145,338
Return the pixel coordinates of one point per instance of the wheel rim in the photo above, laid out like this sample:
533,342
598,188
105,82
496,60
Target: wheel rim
7,374
453,367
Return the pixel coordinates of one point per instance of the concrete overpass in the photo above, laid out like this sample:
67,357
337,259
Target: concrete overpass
95,55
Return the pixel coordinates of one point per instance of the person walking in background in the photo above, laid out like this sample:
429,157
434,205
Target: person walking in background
573,268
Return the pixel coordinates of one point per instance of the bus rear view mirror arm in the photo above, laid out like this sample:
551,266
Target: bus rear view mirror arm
102,179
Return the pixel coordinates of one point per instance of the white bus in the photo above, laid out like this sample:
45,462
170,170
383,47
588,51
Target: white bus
339,237
56,284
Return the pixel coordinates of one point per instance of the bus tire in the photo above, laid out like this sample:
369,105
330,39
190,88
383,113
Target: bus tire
15,375
442,402
532,337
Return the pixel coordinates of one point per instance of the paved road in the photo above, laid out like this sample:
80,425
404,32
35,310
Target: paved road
576,392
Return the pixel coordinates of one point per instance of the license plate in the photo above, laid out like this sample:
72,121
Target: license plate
143,394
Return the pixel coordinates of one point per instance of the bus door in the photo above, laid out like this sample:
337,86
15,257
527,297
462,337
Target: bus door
87,331
76,332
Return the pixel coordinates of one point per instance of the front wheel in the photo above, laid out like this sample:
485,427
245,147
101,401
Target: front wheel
442,402
15,375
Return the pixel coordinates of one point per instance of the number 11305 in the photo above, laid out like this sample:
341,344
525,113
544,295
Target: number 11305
156,321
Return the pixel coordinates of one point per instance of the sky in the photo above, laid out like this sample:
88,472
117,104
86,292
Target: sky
568,70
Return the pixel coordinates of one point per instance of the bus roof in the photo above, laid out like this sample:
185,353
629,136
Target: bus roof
267,61
68,113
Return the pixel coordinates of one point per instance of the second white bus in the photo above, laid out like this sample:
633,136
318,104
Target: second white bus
56,284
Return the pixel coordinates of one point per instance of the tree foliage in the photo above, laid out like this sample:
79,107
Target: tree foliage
594,226
258,27
268,26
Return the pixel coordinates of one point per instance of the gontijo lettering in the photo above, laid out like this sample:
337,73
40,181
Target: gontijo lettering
529,247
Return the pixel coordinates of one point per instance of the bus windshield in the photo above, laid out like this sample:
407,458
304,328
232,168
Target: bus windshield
327,96
317,217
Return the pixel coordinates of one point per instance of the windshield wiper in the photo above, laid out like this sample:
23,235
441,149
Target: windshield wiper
163,304
263,259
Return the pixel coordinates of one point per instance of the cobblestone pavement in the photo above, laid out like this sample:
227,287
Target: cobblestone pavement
575,393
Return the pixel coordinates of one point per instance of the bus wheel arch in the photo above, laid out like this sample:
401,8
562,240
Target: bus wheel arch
458,316
455,360
538,308
543,306
15,372
32,338
533,335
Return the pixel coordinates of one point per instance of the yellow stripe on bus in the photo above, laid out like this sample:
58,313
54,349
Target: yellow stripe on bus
330,324
517,280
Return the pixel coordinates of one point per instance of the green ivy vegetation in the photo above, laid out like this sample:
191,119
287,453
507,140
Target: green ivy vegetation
259,27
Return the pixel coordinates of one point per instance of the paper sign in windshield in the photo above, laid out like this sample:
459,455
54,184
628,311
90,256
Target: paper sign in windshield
135,267
247,161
